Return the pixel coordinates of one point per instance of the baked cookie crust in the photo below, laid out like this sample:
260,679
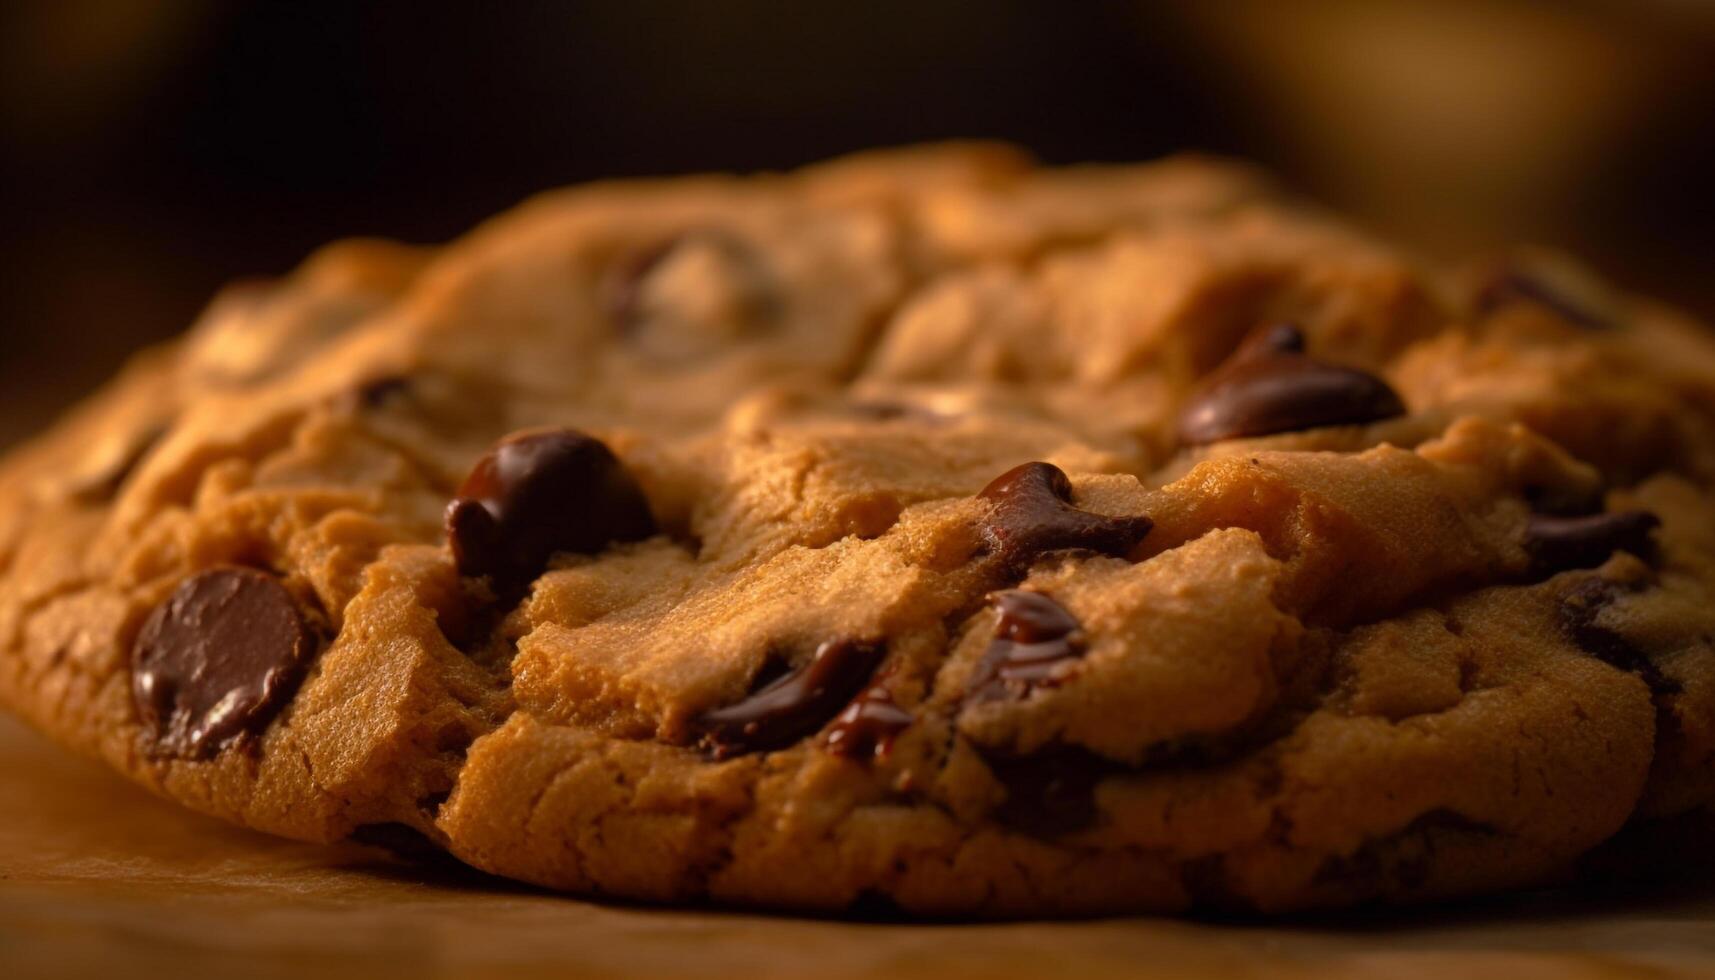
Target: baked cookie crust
924,528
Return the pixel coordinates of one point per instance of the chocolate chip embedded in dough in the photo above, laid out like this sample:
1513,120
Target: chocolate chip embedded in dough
867,726
538,493
1034,638
217,660
1580,614
1270,385
1032,513
794,705
1556,544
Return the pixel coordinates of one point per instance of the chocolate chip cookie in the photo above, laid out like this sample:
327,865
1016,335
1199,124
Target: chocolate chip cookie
924,530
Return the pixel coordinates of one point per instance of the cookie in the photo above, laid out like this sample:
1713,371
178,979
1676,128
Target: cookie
925,530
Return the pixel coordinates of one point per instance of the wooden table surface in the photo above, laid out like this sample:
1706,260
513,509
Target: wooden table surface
97,878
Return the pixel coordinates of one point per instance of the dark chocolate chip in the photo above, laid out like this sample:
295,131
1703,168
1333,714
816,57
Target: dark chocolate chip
1556,544
218,659
1509,286
1270,385
1052,792
539,493
1580,615
793,705
1033,638
867,726
1032,513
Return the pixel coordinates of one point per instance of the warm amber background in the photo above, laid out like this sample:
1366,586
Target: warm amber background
151,149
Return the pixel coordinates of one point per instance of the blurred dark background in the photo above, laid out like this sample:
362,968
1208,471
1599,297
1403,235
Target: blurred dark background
152,149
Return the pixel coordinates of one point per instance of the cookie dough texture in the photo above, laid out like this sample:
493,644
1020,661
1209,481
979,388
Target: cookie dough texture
1443,646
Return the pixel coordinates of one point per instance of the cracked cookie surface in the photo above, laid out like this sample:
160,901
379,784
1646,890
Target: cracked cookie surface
925,528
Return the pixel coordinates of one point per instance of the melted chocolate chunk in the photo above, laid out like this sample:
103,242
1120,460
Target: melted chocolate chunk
1556,544
1032,639
218,660
793,705
1032,513
1580,618
539,493
868,725
1051,792
1509,286
1270,385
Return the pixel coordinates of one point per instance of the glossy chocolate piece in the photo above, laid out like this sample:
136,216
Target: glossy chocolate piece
217,660
1270,386
1033,638
867,726
538,493
1032,513
795,704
